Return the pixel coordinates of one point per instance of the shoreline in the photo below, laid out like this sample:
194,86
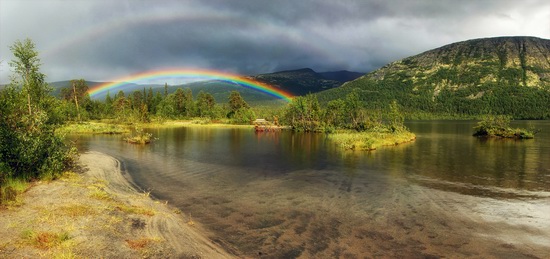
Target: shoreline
99,213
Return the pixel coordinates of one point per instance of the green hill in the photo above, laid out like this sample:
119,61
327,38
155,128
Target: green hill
504,75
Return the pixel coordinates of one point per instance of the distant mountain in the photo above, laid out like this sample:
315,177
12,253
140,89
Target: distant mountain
305,80
296,82
504,75
341,76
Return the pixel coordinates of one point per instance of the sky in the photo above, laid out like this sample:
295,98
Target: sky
103,40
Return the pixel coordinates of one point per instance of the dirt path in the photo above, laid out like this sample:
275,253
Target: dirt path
97,214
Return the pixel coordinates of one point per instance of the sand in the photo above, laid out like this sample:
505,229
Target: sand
98,214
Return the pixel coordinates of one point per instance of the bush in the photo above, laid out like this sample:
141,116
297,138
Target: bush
499,126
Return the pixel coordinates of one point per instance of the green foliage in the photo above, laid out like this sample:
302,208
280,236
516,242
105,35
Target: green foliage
236,102
29,147
243,116
499,126
139,136
304,114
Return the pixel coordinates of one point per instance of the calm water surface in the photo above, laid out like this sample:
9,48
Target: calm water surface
287,195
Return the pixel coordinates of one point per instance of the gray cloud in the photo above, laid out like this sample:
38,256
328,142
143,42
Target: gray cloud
105,40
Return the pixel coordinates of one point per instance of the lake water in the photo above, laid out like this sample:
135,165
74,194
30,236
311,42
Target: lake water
287,195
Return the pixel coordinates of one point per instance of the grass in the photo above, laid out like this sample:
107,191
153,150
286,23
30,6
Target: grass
370,140
44,240
98,193
196,122
10,191
93,128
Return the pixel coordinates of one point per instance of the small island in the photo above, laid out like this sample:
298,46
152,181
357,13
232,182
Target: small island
499,127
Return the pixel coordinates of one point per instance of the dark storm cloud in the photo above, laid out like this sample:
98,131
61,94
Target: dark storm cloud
103,40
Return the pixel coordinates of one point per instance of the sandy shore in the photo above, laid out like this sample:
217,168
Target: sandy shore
98,214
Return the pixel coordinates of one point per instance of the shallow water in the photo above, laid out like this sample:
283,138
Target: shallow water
286,195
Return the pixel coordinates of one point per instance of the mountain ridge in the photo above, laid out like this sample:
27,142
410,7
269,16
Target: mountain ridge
502,75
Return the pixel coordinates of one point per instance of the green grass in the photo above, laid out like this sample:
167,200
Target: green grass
11,189
93,128
370,140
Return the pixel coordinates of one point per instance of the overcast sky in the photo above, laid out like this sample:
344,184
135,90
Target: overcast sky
102,40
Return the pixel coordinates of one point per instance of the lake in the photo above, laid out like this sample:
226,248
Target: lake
288,195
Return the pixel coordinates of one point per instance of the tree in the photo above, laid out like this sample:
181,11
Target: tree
395,117
77,93
236,102
29,147
304,113
205,104
149,100
27,67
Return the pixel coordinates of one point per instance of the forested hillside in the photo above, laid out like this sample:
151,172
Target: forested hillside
505,75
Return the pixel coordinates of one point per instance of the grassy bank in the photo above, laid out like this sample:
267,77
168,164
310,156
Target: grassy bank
370,140
92,127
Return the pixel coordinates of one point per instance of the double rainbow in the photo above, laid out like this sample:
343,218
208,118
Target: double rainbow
193,74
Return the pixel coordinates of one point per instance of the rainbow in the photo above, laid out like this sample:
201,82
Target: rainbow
191,74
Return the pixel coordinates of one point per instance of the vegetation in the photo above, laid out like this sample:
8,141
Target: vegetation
499,127
502,76
29,147
89,127
371,139
139,137
348,123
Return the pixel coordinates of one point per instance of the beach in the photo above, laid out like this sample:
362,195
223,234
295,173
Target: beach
97,213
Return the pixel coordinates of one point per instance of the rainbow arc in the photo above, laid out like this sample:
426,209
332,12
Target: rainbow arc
191,74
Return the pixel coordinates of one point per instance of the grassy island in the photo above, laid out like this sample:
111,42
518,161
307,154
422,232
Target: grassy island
371,139
499,127
90,127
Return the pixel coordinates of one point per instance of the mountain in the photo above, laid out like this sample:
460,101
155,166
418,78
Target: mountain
503,75
304,81
341,76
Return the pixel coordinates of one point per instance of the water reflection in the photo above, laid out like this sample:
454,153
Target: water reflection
294,194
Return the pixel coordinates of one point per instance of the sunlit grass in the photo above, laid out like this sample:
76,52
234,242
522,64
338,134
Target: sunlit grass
93,128
98,193
195,122
370,140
